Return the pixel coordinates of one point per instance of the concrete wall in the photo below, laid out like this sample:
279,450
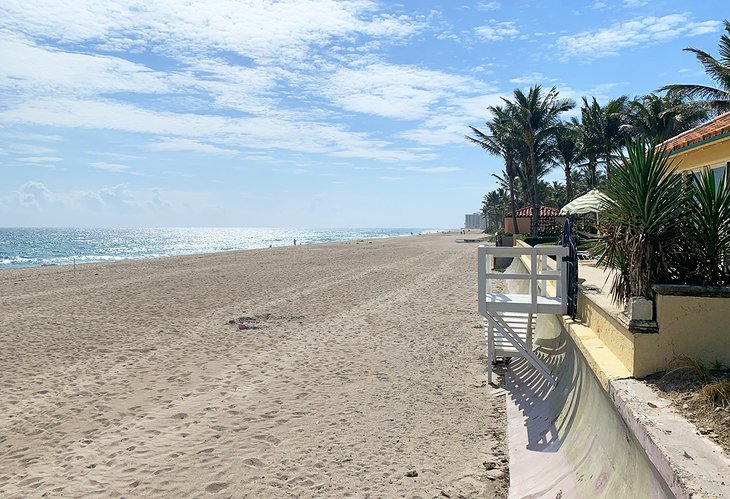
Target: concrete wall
696,326
609,330
575,443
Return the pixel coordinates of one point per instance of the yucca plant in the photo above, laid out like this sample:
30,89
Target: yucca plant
708,223
642,222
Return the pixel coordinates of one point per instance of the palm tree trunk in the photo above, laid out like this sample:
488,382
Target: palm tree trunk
592,165
568,184
513,203
533,192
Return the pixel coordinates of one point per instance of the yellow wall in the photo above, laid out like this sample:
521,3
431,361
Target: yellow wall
715,153
698,327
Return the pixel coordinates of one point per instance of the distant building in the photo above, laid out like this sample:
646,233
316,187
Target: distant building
551,222
475,221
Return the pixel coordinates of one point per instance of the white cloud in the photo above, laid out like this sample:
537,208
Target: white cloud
497,30
640,31
33,194
402,92
292,28
449,125
34,136
635,3
190,146
115,155
56,71
434,169
30,149
40,159
532,79
110,167
703,28
489,5
253,132
391,178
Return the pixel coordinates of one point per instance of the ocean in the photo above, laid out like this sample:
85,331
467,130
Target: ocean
33,247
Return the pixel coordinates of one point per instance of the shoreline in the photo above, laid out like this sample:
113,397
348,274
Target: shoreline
227,251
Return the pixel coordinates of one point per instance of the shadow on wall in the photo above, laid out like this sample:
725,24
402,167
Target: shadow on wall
575,443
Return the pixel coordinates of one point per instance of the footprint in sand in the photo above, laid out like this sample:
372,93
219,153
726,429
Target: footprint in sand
216,487
254,463
269,439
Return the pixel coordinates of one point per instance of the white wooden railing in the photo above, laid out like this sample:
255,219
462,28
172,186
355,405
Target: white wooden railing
510,317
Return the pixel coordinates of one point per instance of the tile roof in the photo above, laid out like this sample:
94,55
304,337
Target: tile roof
545,211
712,128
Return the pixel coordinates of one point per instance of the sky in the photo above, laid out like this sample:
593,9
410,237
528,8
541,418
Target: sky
298,113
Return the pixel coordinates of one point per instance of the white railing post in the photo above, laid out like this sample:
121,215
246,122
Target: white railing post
563,265
533,280
482,279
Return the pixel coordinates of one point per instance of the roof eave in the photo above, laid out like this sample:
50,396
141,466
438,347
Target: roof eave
700,143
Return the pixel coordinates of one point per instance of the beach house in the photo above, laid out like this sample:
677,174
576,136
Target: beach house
551,222
705,146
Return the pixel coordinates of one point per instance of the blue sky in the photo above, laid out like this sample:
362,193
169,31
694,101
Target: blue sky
297,113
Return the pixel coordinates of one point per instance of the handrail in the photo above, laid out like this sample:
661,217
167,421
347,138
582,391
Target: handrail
540,272
519,251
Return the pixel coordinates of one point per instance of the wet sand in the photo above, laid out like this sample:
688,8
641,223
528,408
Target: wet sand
365,362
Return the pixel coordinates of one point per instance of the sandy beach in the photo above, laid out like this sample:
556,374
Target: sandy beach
364,363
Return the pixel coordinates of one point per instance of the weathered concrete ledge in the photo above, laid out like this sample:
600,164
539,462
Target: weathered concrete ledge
689,290
693,466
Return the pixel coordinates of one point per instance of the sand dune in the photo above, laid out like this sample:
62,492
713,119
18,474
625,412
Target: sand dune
365,363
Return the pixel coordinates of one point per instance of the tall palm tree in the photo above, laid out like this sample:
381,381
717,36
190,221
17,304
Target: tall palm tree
657,119
589,129
501,141
613,138
714,99
535,117
602,135
568,152
494,205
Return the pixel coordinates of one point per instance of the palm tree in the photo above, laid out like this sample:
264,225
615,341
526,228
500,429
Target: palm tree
601,133
612,138
657,119
713,99
494,205
568,149
535,118
501,142
589,129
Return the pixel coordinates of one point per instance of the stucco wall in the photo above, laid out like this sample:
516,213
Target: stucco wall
697,326
711,154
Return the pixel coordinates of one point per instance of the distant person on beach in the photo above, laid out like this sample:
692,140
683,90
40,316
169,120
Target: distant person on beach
295,242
